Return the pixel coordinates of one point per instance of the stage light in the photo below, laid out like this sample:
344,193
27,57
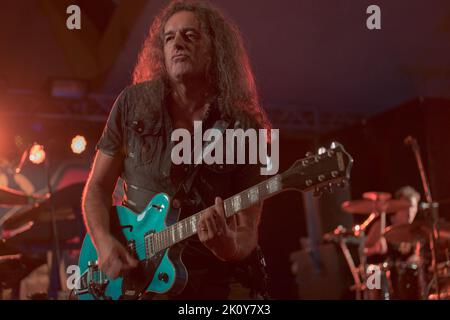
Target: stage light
37,154
78,144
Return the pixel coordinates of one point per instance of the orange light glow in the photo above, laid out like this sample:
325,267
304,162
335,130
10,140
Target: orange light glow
37,154
78,144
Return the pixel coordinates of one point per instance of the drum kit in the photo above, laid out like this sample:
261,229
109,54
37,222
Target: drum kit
26,235
412,260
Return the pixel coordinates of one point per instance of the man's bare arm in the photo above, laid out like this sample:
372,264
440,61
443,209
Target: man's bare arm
97,197
113,257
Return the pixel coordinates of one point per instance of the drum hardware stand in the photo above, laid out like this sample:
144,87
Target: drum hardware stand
55,280
360,231
359,285
430,206
358,272
419,252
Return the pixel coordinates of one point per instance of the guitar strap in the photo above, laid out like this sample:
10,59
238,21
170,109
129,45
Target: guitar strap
185,188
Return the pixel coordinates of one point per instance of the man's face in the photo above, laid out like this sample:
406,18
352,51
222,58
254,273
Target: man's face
186,48
407,215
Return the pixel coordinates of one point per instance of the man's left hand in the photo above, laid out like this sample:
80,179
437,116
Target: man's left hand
218,234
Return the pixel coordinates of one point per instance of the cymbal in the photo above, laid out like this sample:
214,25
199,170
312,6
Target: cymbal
377,196
11,198
408,232
41,234
411,232
366,206
63,200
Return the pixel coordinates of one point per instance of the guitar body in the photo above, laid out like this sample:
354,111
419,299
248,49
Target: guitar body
160,274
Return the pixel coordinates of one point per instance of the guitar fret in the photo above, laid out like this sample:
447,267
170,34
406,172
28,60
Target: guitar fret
158,242
185,228
188,227
165,243
155,242
193,224
237,203
168,244
180,233
172,232
226,206
167,238
273,185
253,195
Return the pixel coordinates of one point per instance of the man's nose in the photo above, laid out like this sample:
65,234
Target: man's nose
179,41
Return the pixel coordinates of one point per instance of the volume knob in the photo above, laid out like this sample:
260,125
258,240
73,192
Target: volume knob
162,276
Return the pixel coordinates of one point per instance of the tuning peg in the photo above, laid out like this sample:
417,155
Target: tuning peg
330,187
309,154
317,192
343,183
321,151
334,145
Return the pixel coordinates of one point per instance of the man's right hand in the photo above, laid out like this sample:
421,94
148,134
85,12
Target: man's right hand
113,258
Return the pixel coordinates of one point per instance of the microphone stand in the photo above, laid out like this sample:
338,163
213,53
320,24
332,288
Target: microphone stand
432,208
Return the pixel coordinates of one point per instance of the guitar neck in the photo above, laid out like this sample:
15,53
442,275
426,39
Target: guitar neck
317,171
241,201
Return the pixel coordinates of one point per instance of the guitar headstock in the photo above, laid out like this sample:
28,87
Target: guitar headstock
321,171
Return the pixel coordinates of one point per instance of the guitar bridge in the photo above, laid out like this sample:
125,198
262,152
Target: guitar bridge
96,281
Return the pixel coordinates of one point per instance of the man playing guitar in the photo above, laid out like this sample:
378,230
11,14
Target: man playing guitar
193,67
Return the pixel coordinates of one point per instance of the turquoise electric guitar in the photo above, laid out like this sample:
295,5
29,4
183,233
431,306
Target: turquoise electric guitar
157,243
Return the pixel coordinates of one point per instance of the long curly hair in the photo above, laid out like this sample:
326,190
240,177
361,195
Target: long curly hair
230,75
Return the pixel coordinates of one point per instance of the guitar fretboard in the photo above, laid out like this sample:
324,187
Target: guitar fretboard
188,226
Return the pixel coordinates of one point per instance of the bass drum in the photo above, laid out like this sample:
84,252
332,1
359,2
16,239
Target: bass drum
406,281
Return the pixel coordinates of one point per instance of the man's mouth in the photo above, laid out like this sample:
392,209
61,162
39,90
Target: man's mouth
180,57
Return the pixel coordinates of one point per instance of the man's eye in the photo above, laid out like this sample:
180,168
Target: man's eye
192,35
169,38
